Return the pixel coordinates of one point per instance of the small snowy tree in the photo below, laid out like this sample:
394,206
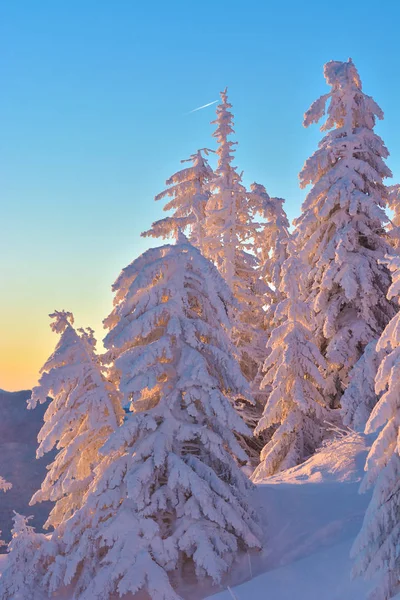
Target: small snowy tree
376,548
230,242
24,568
84,411
360,397
188,190
294,369
169,495
340,231
4,485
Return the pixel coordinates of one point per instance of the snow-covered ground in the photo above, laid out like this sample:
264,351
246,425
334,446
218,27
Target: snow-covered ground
311,515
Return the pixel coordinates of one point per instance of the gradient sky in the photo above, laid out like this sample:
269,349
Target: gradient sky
94,109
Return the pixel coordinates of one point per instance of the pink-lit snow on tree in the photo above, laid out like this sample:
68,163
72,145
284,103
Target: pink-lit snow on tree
84,410
341,230
294,369
188,193
376,547
169,496
231,234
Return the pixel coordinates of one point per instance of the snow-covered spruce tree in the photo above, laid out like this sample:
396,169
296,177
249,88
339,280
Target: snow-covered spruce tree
340,231
169,496
229,223
360,397
188,193
294,370
230,244
84,410
394,205
376,548
21,579
272,241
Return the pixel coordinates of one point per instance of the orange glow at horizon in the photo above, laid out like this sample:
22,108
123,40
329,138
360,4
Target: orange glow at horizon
22,356
26,342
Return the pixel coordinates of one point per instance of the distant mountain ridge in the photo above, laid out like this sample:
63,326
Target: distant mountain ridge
19,428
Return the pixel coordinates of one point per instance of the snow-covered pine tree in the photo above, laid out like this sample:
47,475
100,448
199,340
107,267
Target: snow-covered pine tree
84,410
294,369
394,205
188,192
376,548
230,244
169,496
229,223
271,242
22,575
341,231
360,397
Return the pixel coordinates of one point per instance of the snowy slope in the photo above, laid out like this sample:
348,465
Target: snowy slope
18,465
321,576
312,514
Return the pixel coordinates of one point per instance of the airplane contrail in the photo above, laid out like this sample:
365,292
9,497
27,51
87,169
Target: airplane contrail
201,107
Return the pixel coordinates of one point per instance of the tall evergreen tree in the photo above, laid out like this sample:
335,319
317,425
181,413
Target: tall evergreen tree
341,230
294,369
169,496
231,234
376,548
84,410
230,227
188,192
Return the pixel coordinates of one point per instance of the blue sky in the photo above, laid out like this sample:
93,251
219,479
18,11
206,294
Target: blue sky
94,112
